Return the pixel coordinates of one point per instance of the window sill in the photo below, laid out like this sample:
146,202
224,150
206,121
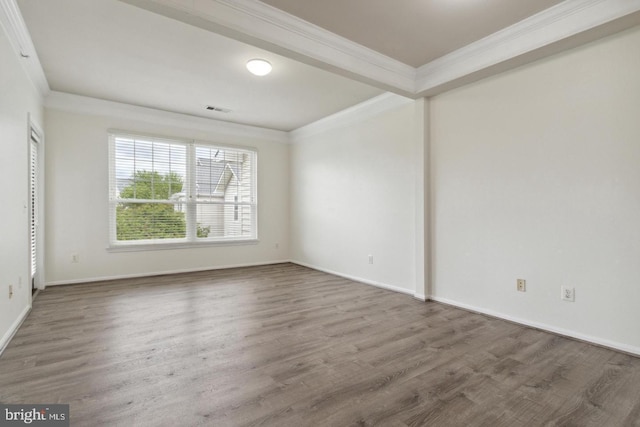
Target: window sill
144,247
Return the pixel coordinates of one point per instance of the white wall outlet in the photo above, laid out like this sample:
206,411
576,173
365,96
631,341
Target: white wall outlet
568,294
521,285
370,259
75,258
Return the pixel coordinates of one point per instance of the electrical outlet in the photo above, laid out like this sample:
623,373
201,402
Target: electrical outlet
370,259
75,258
568,294
521,285
10,291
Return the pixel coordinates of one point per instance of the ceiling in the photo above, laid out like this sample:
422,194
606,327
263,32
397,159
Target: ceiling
110,50
182,55
413,31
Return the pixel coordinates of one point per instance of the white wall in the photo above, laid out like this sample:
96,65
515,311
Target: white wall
18,99
352,195
536,175
77,203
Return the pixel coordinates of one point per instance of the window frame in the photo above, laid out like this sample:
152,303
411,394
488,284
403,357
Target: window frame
190,240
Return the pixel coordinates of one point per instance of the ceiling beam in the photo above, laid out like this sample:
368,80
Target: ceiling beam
566,25
266,27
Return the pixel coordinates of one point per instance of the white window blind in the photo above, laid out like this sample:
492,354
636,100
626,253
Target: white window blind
170,191
33,190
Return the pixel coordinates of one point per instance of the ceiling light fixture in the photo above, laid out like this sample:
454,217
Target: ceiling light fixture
259,67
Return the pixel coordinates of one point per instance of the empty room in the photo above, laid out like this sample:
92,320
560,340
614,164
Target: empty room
320,213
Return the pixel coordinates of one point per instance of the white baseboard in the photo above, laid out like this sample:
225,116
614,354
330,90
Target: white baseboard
543,326
159,273
6,338
356,279
421,297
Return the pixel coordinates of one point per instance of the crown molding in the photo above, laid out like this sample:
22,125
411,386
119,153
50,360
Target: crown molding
77,104
269,28
98,107
20,40
560,22
357,113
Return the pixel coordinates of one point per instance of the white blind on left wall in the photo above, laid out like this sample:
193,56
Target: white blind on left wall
33,189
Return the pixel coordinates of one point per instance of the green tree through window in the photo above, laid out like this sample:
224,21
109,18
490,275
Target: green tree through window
152,220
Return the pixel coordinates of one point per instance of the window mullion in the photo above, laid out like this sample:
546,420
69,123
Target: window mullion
112,189
192,208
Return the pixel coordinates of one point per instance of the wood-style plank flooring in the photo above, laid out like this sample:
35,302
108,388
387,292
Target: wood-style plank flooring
285,345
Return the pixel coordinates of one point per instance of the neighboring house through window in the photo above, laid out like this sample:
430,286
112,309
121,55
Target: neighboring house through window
165,191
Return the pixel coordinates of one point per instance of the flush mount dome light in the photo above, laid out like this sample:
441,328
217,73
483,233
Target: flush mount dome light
259,67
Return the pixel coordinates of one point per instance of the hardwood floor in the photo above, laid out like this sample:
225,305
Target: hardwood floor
284,345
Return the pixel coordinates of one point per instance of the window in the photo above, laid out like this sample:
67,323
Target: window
176,192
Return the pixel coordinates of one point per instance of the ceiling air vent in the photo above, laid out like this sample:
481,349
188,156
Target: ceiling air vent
217,109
